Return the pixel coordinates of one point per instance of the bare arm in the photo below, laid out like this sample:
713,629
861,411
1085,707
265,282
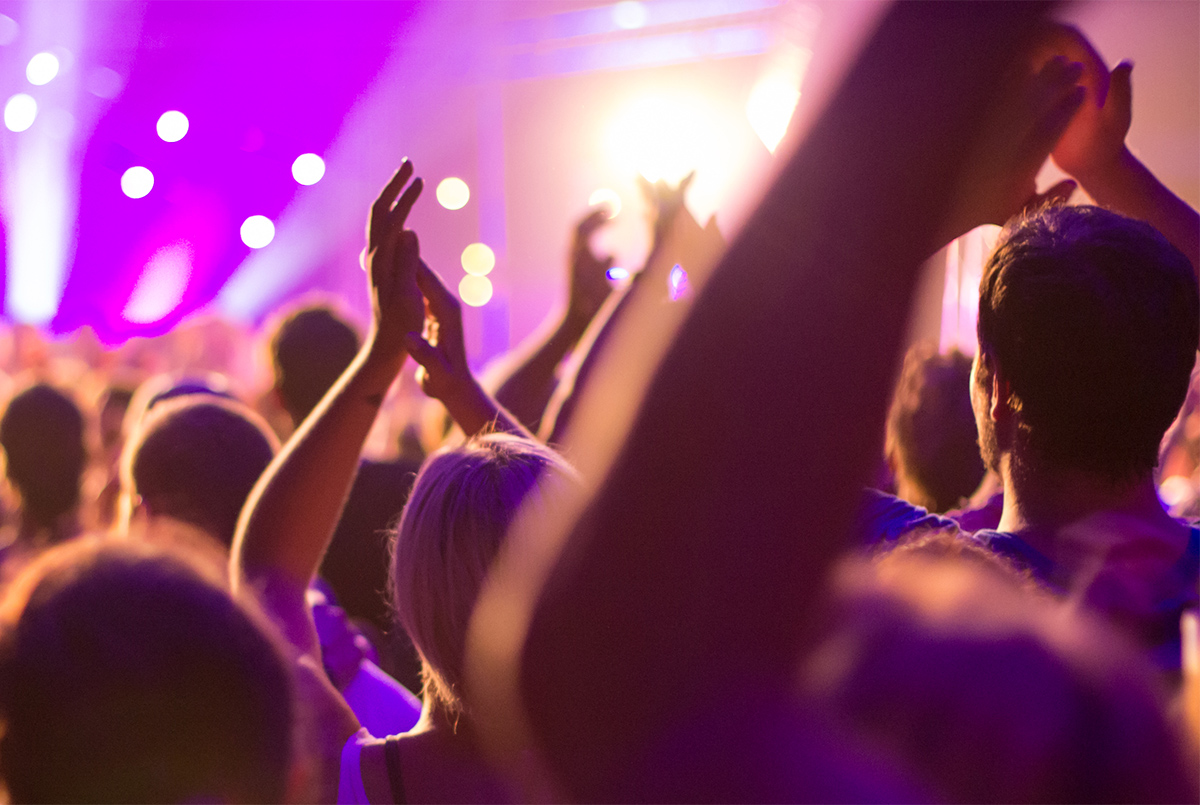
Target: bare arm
691,573
527,378
290,516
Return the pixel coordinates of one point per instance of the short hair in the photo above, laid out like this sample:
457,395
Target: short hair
129,674
1094,319
42,435
310,350
460,508
196,459
931,428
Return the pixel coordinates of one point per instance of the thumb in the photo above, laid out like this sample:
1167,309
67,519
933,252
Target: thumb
419,348
1120,89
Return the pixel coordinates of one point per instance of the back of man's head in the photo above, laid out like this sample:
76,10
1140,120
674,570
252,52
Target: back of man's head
310,350
43,440
196,459
1093,318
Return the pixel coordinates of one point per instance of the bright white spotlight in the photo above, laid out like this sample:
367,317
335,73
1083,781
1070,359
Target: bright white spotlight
770,106
257,231
478,259
137,182
453,193
608,198
665,136
629,14
475,291
161,286
20,112
8,30
172,126
617,274
308,169
42,69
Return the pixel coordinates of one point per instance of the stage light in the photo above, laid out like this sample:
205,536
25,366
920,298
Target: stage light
608,198
104,82
20,112
665,137
257,231
478,259
677,282
161,286
137,182
8,30
172,126
617,274
770,106
475,291
42,69
308,169
629,14
453,193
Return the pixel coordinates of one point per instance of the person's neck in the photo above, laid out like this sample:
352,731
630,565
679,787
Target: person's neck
1040,501
438,720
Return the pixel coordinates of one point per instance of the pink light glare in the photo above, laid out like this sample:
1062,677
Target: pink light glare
161,286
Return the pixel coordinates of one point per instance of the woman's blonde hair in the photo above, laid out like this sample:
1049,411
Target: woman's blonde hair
461,506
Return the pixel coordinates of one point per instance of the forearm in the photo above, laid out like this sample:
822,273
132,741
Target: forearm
1127,186
476,411
293,510
527,378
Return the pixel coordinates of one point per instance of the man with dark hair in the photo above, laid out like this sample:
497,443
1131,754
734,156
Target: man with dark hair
43,439
310,350
195,459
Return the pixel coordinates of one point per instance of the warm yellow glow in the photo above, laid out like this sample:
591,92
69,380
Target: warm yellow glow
475,291
608,198
770,106
478,259
453,193
665,136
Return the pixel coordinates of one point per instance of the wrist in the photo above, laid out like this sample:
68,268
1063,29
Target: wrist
470,406
1102,175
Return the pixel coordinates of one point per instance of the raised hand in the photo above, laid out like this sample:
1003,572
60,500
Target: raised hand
1095,137
664,202
588,280
392,257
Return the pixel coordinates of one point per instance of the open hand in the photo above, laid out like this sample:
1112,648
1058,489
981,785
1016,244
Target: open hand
588,280
444,373
392,258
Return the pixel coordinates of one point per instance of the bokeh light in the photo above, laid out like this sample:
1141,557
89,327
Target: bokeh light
608,198
172,126
666,136
42,69
770,106
20,112
475,291
629,14
8,30
453,193
478,259
677,283
104,82
257,231
137,182
617,274
308,169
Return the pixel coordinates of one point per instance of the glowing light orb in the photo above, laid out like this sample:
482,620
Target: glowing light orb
770,107
617,274
8,30
42,69
172,126
608,198
257,231
137,182
629,14
478,259
474,290
161,286
20,112
453,193
666,136
677,282
308,169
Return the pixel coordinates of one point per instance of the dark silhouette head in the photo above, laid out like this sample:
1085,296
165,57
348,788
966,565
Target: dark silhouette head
129,674
931,439
196,458
1092,318
43,439
310,350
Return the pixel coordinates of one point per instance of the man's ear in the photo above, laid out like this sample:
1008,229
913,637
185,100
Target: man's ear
1001,409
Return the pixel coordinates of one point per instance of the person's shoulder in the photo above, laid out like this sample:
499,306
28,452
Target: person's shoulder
884,518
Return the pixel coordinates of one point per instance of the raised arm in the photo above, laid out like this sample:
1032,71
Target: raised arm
685,587
526,378
291,514
1093,149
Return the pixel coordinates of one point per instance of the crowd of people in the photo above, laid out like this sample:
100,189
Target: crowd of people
691,541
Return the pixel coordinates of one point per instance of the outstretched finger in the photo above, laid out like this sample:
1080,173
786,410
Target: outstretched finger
593,221
440,299
383,204
399,213
1119,107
